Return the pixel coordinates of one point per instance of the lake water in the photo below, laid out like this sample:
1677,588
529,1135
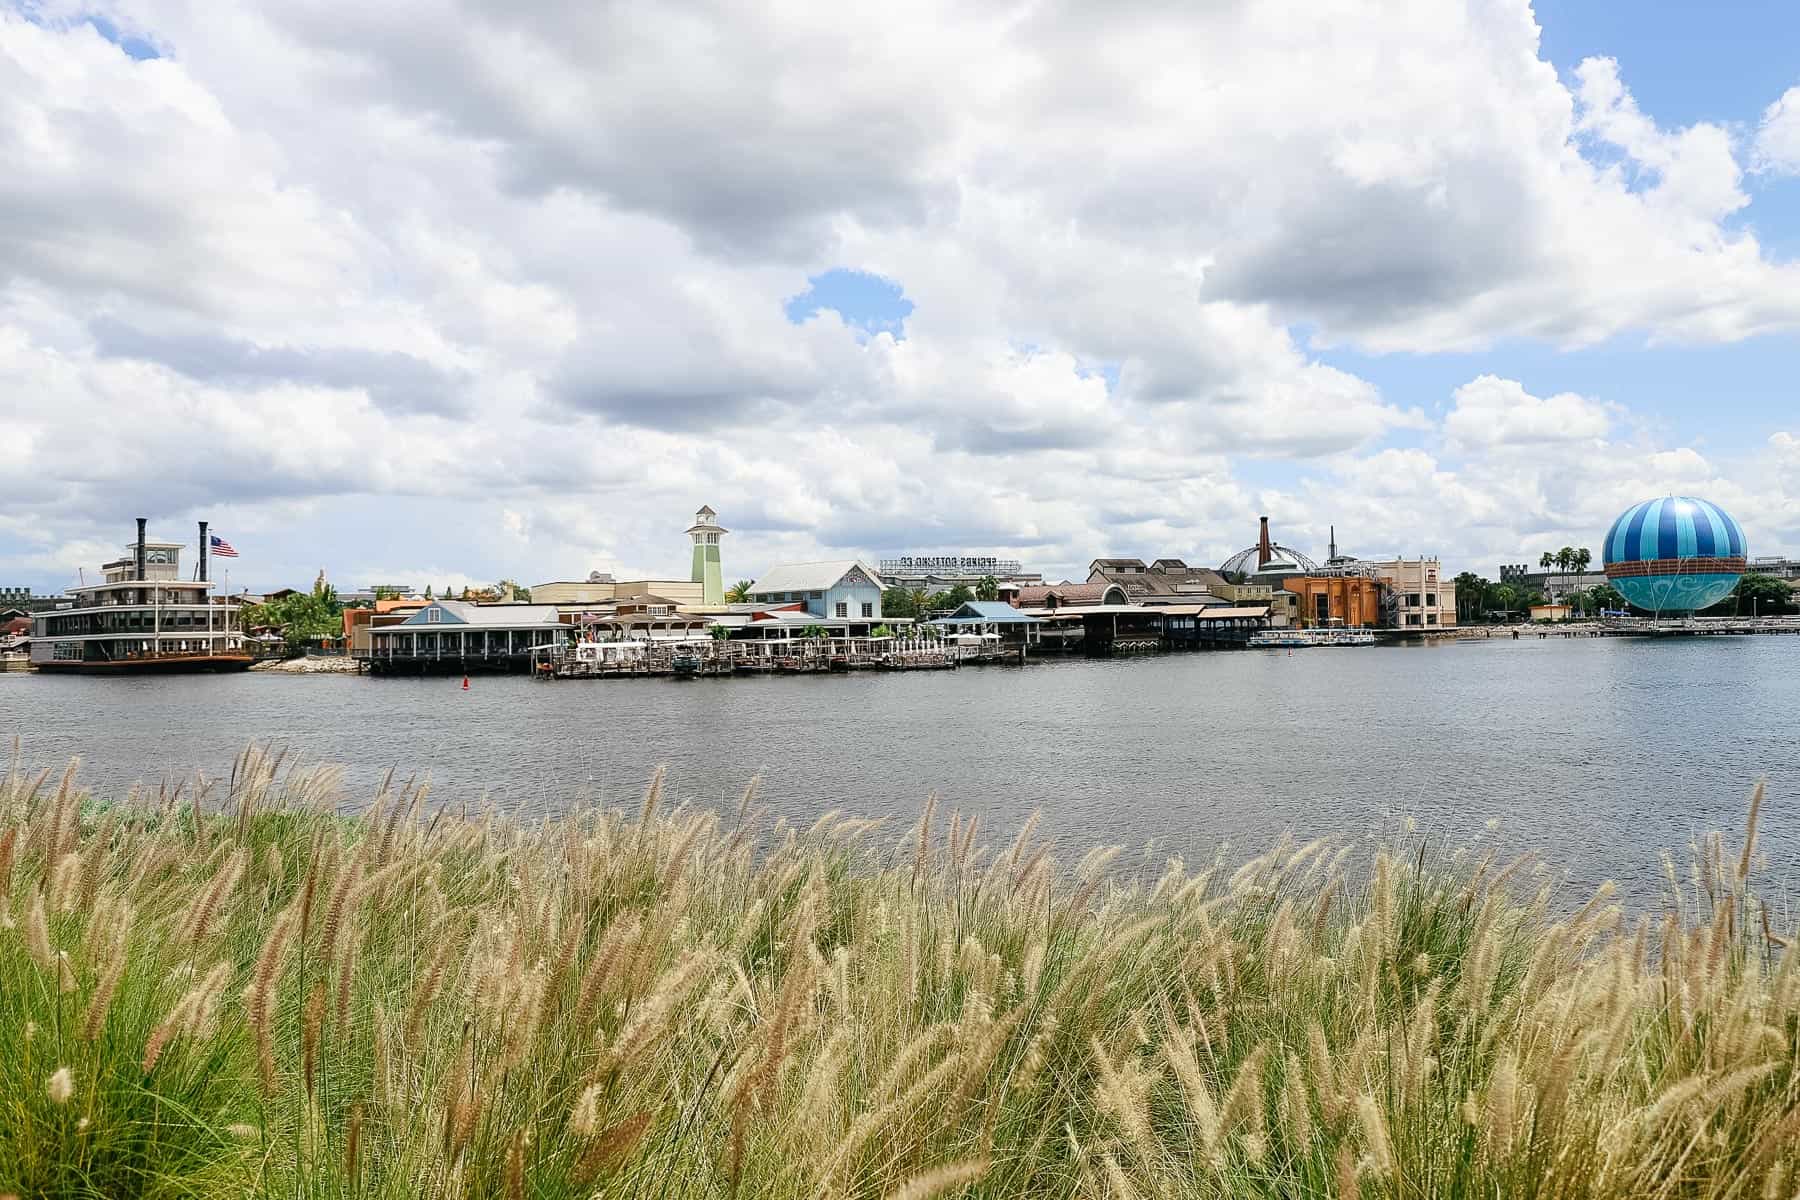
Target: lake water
1601,753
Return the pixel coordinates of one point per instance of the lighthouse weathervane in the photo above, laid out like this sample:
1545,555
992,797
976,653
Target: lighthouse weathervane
706,532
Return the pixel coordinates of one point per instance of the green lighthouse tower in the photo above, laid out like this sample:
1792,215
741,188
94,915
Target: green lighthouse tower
706,532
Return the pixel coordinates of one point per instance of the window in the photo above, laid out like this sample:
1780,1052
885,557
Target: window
1430,599
868,610
1412,599
843,608
1431,618
433,616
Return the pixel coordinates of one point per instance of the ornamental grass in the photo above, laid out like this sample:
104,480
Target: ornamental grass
245,992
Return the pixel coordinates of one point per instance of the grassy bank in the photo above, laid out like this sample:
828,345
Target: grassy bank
265,998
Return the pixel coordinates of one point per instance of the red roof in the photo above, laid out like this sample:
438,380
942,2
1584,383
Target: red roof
1068,595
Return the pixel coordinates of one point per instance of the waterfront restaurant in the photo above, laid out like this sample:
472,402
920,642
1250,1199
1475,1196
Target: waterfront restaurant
993,618
457,637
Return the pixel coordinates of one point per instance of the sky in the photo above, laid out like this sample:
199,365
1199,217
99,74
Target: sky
446,291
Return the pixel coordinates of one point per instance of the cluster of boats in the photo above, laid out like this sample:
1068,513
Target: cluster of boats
1294,639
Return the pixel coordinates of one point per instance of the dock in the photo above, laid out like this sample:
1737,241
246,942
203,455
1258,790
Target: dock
721,658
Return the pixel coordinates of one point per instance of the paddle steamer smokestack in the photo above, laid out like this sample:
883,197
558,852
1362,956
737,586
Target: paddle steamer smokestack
142,574
1264,549
203,547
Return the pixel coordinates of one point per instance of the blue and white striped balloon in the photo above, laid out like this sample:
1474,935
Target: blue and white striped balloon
1674,554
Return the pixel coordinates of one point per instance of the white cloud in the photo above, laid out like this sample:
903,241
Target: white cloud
1777,148
528,263
1491,412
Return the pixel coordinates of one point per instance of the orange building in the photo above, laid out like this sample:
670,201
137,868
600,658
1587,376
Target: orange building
1354,600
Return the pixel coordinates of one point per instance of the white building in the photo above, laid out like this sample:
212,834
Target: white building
1423,598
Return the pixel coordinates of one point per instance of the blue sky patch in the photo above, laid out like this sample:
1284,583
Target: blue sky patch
136,47
863,298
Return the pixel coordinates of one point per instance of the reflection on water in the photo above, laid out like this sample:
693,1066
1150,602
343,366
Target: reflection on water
1601,753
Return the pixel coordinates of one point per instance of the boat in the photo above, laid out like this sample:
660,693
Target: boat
1294,639
143,618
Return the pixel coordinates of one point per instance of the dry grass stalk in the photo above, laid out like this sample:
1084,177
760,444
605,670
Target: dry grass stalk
939,1180
611,1147
259,994
844,1019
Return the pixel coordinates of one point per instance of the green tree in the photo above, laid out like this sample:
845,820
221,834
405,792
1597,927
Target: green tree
814,631
739,592
718,633
302,618
1756,595
948,601
1603,597
988,588
921,603
428,591
1471,597
897,602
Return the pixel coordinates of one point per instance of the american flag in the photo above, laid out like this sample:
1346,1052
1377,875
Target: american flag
220,547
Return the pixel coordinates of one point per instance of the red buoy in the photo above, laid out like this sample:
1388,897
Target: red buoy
465,683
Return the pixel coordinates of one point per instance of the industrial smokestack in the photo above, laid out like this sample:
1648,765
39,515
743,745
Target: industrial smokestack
142,574
204,544
1265,550
1333,554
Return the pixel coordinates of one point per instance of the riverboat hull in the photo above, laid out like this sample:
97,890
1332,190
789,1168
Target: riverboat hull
169,664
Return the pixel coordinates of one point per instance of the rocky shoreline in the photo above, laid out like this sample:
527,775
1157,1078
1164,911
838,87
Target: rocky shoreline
310,665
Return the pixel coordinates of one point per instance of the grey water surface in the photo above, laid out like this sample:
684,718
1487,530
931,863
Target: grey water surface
1598,753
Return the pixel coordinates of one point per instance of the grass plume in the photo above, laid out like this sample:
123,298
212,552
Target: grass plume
266,997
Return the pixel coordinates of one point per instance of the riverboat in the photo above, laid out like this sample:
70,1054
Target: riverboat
143,618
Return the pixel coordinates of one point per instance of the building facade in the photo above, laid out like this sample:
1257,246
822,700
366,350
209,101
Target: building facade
843,589
1555,585
1339,599
458,637
1165,581
1421,597
569,592
1780,566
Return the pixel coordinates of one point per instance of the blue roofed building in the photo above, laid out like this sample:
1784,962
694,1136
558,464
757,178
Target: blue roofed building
992,619
456,636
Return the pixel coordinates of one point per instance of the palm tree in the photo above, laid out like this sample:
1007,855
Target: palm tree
921,602
739,592
1469,588
988,588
